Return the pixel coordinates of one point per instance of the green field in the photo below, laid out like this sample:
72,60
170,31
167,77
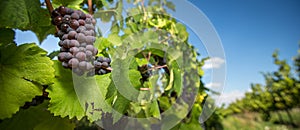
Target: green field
253,121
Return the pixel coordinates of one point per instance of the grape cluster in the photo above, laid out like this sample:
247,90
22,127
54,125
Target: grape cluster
102,65
76,31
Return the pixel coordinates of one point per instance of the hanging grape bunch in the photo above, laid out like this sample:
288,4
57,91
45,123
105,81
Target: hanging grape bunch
76,31
145,71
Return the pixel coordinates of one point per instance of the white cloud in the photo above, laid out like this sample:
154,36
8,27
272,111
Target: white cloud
213,85
229,97
214,62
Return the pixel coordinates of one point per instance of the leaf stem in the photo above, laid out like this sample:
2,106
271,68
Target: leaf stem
90,6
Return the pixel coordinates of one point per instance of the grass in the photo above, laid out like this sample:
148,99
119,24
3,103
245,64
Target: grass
253,121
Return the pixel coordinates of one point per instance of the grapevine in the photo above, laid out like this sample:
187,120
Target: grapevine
57,90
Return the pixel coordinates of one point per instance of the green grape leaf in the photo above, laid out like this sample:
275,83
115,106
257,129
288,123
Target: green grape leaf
24,69
177,81
111,91
105,3
115,27
182,33
70,3
14,14
7,35
91,92
64,101
26,15
77,96
102,43
164,102
104,15
152,110
171,81
119,11
120,106
36,118
170,5
115,39
141,61
134,77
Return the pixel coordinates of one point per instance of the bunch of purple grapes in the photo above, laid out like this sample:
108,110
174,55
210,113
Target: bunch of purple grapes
76,31
102,65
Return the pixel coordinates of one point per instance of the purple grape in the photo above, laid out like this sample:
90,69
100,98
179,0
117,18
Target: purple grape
55,13
64,37
80,56
60,43
64,27
74,24
78,71
88,16
89,47
88,21
58,20
100,59
80,37
89,54
83,45
82,49
62,49
95,52
74,50
62,10
80,29
61,56
104,64
90,40
66,43
72,34
81,22
74,15
73,63
69,11
66,19
70,29
82,16
65,64
89,66
73,43
97,64
94,22
82,65
106,60
89,33
89,26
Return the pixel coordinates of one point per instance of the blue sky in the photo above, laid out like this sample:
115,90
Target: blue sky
250,30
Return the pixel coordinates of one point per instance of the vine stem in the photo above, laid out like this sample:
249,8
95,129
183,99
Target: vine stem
50,9
90,6
49,6
154,68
